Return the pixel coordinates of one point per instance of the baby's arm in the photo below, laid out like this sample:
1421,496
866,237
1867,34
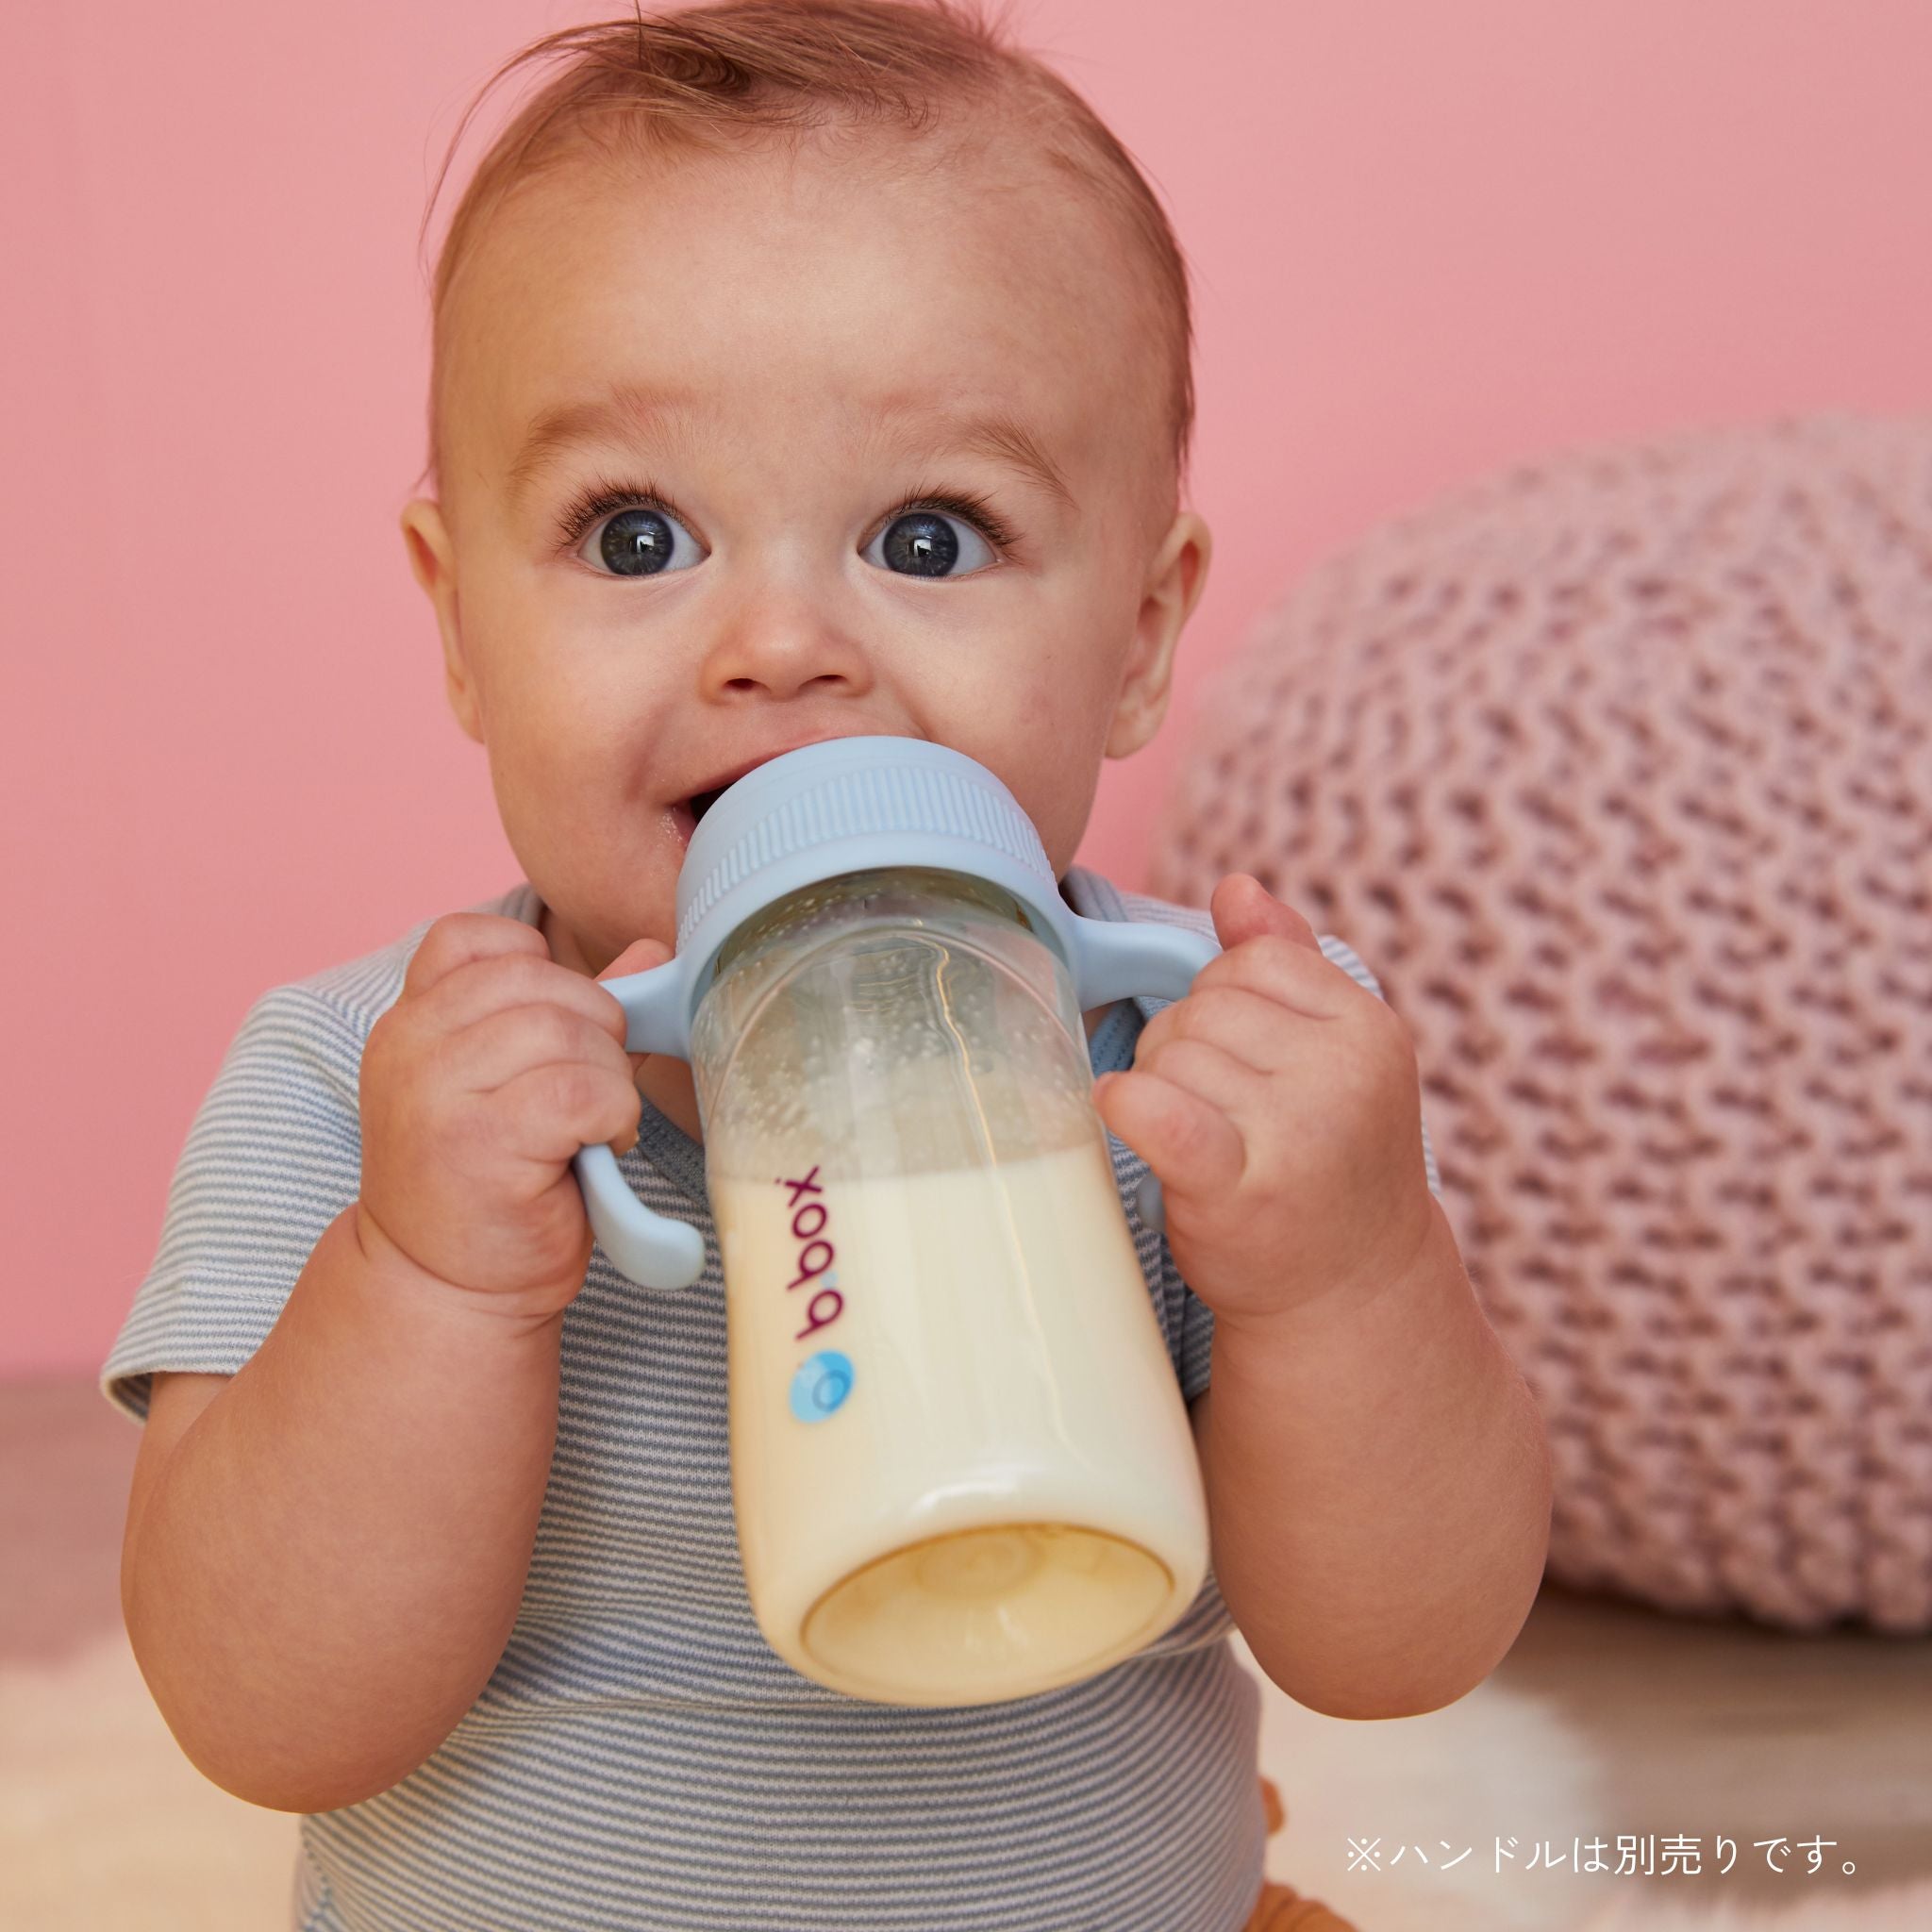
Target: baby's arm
1377,1477
321,1565
1378,1487
325,1552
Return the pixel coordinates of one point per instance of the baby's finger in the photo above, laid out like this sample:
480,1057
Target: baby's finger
563,1106
1302,978
1208,1070
1191,1144
478,988
500,1046
1253,1027
458,939
1244,908
639,956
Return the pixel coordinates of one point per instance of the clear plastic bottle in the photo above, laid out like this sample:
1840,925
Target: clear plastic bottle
962,1468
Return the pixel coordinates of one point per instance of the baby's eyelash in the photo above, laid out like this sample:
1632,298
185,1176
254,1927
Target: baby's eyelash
967,506
598,499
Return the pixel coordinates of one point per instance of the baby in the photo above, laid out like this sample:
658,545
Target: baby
803,369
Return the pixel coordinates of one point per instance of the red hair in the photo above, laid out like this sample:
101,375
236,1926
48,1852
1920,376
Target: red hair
724,77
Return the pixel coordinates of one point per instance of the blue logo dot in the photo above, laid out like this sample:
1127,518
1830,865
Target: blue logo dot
821,1386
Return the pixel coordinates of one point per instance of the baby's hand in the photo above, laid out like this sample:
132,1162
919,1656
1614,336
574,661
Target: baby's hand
478,1087
1280,1104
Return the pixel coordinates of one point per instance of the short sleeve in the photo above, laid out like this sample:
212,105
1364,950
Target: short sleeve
272,1156
1197,1317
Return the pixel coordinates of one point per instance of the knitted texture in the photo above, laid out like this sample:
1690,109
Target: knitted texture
1616,771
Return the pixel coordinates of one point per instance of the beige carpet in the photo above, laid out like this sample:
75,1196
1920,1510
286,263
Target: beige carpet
1604,1721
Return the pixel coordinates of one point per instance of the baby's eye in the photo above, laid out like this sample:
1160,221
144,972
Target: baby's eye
640,540
927,543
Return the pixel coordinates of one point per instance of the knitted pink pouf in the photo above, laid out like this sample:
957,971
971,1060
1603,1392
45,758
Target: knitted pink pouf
1617,769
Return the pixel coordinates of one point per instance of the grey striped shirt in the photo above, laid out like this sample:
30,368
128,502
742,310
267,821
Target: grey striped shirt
640,1759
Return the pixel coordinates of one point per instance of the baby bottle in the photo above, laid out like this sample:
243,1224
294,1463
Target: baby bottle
962,1468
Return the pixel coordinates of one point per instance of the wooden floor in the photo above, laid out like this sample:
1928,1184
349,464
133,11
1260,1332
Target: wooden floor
1604,1720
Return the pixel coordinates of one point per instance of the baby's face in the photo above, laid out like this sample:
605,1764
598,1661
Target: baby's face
714,433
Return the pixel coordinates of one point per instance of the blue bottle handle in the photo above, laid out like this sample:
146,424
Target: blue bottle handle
1115,960
650,1249
1112,960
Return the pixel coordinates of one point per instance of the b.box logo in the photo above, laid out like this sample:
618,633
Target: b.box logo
825,1379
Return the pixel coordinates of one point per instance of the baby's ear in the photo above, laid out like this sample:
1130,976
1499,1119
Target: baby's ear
432,557
1176,576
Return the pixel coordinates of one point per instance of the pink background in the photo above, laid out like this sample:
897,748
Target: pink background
1427,241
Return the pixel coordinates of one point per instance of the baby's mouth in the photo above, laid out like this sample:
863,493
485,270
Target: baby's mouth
685,813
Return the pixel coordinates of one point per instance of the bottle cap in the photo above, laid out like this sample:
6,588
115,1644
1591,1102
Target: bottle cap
849,804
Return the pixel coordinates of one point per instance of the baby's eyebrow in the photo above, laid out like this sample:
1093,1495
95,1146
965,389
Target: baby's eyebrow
995,435
627,412
1003,439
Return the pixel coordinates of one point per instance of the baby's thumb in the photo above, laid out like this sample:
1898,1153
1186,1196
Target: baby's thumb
639,956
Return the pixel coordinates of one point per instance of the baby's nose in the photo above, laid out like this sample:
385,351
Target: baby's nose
783,647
